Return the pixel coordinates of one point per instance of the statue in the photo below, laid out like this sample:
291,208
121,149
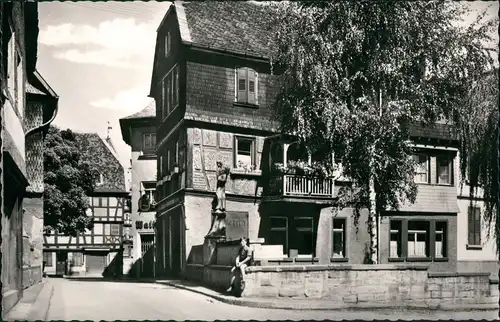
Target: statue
219,225
222,173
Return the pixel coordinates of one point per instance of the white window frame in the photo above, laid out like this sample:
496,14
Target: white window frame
450,170
427,166
343,232
252,150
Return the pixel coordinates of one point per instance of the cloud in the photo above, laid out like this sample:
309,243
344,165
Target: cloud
125,102
114,43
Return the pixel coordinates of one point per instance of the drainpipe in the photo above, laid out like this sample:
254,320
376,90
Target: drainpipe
38,128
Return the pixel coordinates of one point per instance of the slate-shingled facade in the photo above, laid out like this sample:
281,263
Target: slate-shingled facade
97,252
213,88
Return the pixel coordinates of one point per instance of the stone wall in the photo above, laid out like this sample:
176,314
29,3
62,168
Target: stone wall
32,239
357,285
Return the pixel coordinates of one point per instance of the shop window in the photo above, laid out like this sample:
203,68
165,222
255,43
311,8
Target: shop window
77,259
47,258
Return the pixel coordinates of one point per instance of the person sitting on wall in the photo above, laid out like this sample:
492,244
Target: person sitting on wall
242,261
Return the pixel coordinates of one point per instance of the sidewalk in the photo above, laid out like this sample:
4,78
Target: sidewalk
313,304
35,303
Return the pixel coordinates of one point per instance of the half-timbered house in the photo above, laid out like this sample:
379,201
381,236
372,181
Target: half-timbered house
99,251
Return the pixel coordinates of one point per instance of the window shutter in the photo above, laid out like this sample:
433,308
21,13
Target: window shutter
252,88
477,226
470,227
242,85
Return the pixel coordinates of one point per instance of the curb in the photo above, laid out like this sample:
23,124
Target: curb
40,307
288,305
36,310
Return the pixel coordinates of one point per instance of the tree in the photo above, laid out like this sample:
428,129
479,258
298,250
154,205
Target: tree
68,181
355,75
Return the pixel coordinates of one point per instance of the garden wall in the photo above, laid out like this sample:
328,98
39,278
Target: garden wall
397,285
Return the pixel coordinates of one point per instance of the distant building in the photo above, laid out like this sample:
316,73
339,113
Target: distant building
27,107
139,132
97,252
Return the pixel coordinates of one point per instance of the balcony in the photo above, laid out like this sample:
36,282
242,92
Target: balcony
296,173
301,186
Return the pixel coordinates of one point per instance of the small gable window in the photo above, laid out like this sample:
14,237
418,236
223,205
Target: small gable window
246,86
168,43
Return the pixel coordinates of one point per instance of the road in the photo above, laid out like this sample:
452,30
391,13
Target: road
109,300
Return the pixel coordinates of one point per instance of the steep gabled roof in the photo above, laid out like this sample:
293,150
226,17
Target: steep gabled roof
234,26
94,149
240,27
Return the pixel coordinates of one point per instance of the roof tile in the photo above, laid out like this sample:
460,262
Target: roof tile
148,111
93,149
237,26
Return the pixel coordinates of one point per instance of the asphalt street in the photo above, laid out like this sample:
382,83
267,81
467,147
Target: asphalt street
109,300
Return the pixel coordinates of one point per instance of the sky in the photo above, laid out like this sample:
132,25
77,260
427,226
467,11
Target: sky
98,58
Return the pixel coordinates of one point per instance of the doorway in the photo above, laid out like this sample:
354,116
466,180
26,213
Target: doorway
95,263
147,255
61,263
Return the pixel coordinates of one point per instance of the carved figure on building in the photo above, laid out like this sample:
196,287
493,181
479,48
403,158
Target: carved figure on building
218,224
222,174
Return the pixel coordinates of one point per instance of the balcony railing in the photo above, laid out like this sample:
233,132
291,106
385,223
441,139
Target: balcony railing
297,185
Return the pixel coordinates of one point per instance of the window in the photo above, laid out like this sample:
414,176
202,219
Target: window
304,236
149,141
47,258
395,239
418,239
176,161
246,86
422,168
77,259
175,87
168,43
99,202
441,234
20,84
444,170
474,226
278,232
115,230
98,229
244,152
11,67
160,168
339,237
170,92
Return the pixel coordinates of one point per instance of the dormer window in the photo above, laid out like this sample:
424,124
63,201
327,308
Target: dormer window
168,43
98,178
246,83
